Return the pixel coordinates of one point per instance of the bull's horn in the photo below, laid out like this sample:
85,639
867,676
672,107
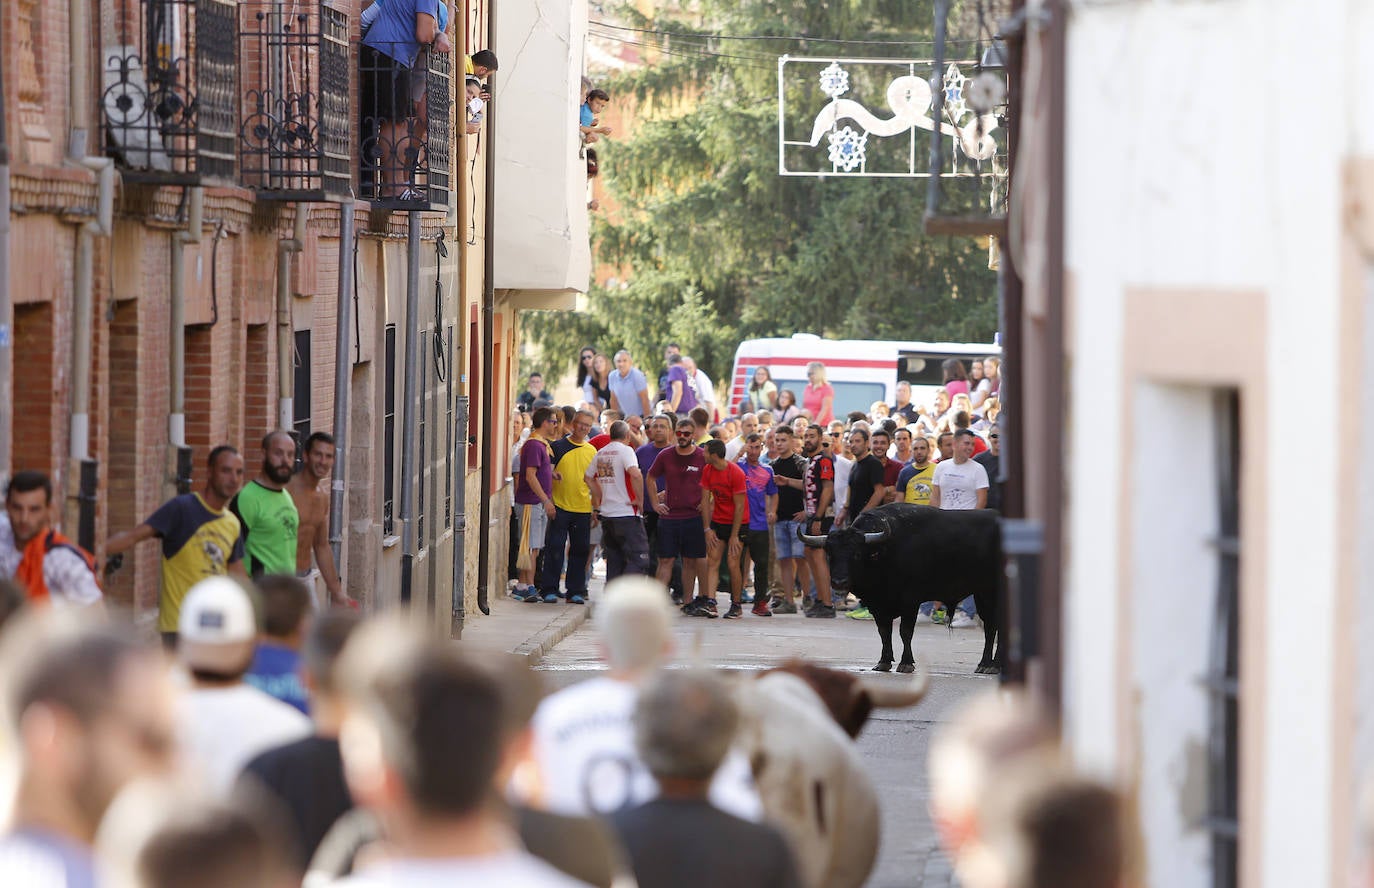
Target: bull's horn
877,536
812,540
891,695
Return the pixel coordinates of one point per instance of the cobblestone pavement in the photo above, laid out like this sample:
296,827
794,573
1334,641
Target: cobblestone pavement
894,744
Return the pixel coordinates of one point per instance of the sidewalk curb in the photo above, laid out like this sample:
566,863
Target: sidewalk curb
560,627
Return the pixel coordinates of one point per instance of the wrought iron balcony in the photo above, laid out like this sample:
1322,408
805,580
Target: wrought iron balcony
170,90
406,118
295,139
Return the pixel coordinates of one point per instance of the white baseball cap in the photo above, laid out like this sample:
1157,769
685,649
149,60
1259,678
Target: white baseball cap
217,625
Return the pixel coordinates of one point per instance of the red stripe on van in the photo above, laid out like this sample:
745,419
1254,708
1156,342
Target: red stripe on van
802,362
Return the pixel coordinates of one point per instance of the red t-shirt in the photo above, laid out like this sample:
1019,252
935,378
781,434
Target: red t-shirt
724,484
600,440
813,398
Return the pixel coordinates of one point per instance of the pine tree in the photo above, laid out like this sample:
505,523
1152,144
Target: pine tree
717,246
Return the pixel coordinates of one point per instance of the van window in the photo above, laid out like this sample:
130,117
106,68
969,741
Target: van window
848,395
924,368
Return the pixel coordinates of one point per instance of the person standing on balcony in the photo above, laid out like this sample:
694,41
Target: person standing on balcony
589,119
388,57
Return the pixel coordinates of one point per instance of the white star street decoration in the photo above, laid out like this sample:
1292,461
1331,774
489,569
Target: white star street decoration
954,93
847,148
834,80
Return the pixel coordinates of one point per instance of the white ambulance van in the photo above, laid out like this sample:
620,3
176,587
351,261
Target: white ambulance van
861,371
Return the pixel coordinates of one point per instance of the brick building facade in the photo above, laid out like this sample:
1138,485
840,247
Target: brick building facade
61,108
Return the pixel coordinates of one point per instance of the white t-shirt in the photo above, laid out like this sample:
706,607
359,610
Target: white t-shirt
701,385
509,869
585,751
608,470
68,578
843,467
959,485
222,729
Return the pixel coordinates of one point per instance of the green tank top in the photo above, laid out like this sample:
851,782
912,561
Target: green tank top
270,521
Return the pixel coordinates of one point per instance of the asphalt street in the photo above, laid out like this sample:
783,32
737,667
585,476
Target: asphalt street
894,743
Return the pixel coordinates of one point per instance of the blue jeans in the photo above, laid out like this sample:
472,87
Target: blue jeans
573,529
967,606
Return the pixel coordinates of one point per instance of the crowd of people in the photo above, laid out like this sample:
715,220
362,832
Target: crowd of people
659,482
416,764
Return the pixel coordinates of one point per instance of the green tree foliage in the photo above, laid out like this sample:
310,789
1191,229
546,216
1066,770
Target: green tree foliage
718,247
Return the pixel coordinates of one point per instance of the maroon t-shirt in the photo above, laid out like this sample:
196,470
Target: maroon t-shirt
682,481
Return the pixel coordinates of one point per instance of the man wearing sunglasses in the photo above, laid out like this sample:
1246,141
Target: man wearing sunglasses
680,528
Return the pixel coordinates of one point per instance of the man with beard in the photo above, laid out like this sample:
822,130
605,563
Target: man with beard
267,512
660,432
200,537
313,551
818,499
87,710
914,482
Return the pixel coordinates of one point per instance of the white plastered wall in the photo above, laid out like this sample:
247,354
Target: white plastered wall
1202,156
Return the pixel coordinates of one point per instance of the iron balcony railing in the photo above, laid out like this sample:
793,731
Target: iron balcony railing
170,90
295,139
406,122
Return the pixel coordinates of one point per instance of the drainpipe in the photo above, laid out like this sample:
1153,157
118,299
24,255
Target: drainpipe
83,466
343,365
488,333
6,305
286,378
78,81
176,420
411,416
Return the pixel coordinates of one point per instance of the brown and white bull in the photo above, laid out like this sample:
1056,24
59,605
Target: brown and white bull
797,728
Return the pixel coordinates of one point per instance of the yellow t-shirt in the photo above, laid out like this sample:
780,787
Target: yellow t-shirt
197,542
467,65
570,462
918,487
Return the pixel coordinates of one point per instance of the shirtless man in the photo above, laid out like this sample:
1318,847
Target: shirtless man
312,537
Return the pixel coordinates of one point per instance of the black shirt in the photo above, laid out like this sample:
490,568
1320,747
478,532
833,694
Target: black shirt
724,851
307,778
527,398
993,465
789,498
909,411
864,478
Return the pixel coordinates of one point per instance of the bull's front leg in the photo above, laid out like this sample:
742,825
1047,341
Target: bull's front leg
884,624
991,664
908,629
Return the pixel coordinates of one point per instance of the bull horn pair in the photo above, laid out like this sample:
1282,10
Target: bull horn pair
891,695
817,541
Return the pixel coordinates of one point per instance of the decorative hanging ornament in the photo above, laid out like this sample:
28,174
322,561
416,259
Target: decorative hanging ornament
848,148
834,80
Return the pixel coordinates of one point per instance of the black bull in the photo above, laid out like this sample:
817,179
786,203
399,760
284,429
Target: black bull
898,556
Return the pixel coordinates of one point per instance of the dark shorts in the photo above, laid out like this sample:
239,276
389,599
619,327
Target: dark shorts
681,536
722,531
386,86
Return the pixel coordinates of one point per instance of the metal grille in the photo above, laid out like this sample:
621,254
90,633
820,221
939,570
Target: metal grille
295,136
448,440
406,128
389,435
169,90
1223,680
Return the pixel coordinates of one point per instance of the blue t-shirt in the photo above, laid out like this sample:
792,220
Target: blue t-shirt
645,454
758,485
393,33
275,672
588,118
689,398
32,856
626,390
373,12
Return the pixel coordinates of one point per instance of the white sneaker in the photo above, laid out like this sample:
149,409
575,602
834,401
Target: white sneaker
962,620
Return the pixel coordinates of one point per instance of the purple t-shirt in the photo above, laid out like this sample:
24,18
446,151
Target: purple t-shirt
645,454
758,486
682,477
689,398
534,455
